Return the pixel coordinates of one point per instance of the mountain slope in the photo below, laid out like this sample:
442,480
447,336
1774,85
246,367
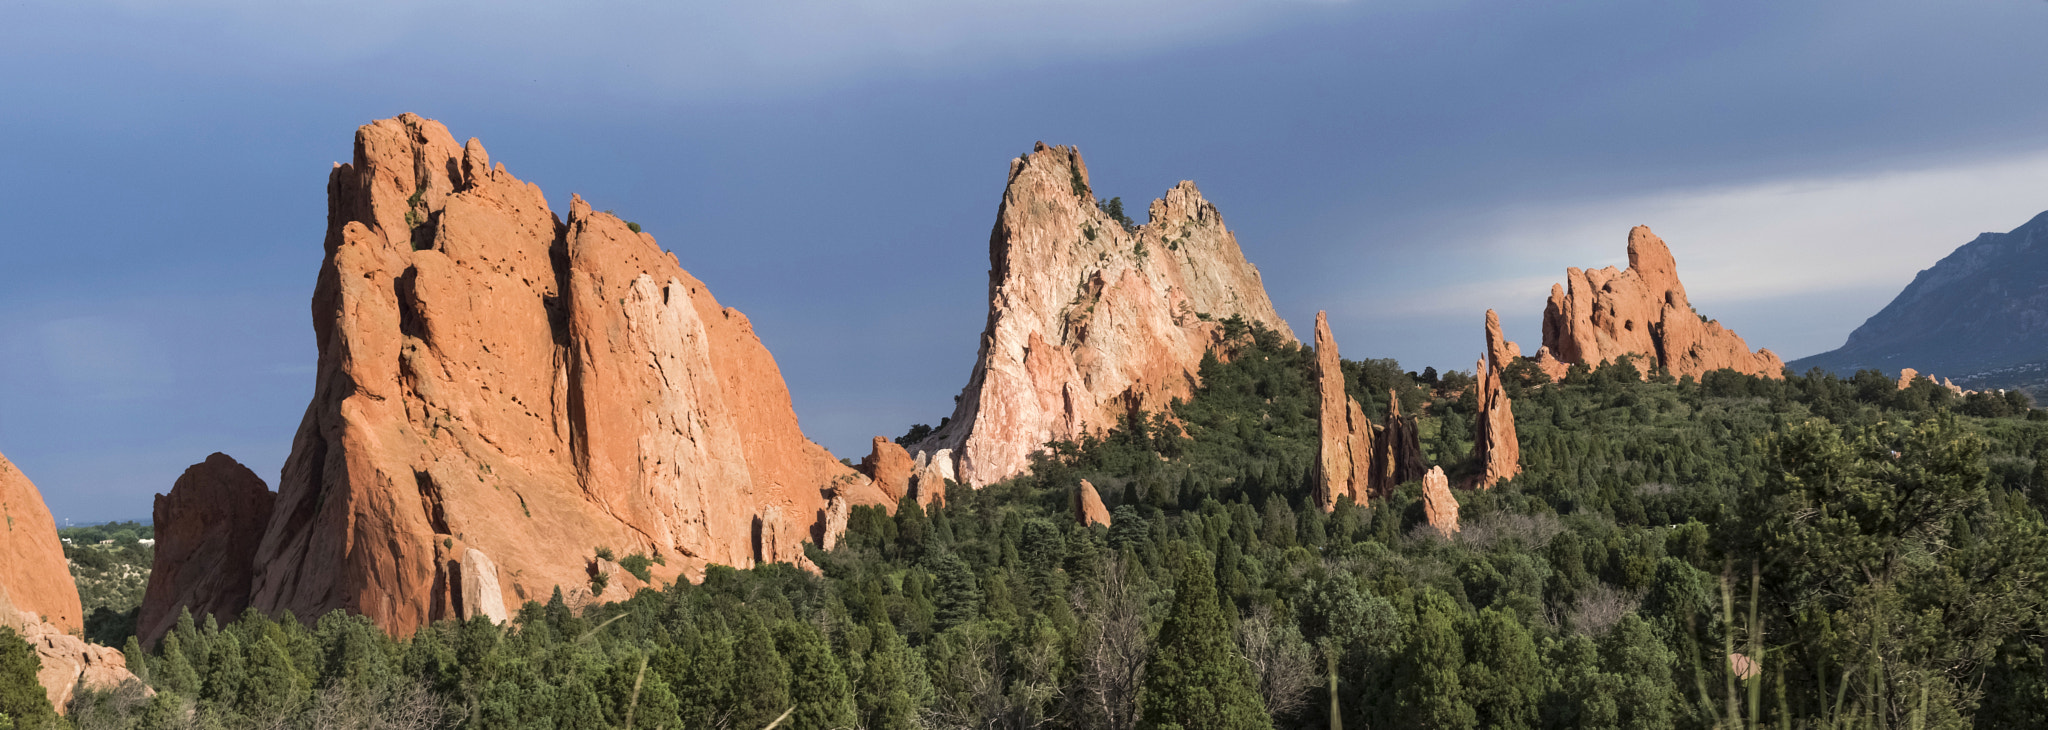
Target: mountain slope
1978,316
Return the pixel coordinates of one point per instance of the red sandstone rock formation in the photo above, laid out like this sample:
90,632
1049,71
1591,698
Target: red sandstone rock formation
495,379
1088,507
1493,439
207,528
67,661
1344,452
1599,315
34,576
1399,457
890,467
1438,504
1087,321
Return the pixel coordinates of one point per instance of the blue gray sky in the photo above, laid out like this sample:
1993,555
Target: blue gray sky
833,168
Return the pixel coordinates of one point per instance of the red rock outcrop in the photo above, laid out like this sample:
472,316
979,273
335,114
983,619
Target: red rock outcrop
1398,459
890,467
207,528
1089,322
1344,451
1602,314
34,576
494,378
68,661
1088,507
1439,506
1493,433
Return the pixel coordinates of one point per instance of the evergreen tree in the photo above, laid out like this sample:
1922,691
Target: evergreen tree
760,677
824,698
892,683
1197,679
958,598
21,696
1429,693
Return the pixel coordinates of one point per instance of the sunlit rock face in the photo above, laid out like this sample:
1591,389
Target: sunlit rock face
1089,321
34,576
1344,447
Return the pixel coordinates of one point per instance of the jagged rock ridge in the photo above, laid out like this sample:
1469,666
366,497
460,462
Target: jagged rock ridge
1602,314
1089,321
499,385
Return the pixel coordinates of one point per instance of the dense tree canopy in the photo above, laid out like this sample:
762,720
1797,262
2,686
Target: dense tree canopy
1874,553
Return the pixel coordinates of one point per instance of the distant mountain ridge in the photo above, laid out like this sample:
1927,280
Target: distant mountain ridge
1979,316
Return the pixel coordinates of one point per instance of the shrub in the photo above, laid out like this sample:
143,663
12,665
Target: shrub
637,565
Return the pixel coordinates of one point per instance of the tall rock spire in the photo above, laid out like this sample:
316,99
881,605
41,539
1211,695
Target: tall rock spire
1493,438
1344,450
1088,320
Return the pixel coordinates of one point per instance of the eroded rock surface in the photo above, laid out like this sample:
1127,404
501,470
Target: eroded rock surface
34,576
66,660
1089,321
207,529
1439,506
1493,432
493,376
1345,447
1602,314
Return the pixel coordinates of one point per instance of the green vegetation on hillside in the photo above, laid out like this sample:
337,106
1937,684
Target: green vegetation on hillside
1877,553
111,566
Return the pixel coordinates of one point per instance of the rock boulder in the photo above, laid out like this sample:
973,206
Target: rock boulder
1439,506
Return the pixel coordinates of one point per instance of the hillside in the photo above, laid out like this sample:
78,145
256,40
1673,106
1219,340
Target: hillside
1979,317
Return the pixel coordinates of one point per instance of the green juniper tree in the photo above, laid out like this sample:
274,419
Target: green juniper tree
1198,680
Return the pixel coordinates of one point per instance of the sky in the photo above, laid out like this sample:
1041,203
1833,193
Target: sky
832,169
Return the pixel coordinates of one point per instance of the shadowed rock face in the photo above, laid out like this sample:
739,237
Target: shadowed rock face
1602,314
207,529
1344,451
1088,321
34,576
498,381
